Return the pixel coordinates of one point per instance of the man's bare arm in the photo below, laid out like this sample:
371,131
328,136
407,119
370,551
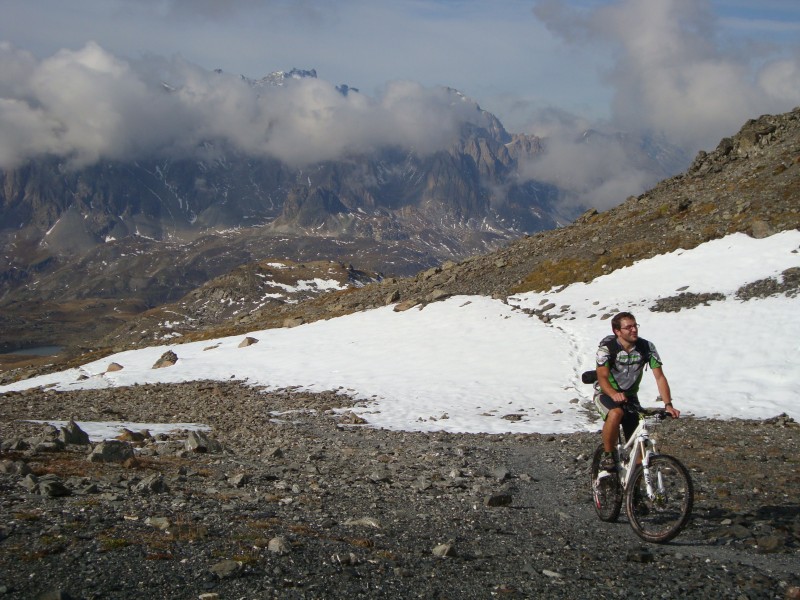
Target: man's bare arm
664,391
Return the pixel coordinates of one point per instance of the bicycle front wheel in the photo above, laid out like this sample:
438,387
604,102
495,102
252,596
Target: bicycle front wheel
661,516
606,491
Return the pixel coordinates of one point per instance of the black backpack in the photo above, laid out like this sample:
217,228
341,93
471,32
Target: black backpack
610,341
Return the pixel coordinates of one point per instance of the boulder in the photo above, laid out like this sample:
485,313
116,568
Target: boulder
197,441
111,451
168,359
72,434
248,341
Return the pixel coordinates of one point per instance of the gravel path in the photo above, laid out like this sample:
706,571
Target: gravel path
309,504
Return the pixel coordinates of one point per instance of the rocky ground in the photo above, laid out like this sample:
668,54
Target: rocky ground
293,499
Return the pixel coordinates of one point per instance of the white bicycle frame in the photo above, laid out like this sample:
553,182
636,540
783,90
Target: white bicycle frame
640,445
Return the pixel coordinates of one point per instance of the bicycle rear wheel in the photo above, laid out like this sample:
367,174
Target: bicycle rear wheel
661,517
606,491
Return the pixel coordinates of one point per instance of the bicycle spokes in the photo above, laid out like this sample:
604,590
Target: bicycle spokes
658,513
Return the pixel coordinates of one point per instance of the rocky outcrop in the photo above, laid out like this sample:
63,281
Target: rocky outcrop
754,138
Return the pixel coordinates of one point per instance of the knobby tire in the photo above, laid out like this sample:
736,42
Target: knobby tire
606,494
661,518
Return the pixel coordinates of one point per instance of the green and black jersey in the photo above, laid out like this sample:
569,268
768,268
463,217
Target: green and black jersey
628,367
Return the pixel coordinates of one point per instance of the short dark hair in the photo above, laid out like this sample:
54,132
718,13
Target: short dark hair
616,322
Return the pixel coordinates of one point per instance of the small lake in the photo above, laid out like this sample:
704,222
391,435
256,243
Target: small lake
37,351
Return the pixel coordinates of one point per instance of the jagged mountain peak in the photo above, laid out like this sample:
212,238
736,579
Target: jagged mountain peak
279,78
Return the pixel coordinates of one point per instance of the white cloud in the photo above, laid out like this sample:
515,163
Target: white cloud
673,71
589,167
781,79
88,104
674,76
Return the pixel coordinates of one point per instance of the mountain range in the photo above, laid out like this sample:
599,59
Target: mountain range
749,183
124,246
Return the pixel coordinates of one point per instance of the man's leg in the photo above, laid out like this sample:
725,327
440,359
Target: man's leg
612,416
611,429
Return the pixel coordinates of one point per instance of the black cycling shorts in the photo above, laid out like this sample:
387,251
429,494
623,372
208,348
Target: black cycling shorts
630,420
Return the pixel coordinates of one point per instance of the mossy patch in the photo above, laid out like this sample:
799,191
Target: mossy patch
555,273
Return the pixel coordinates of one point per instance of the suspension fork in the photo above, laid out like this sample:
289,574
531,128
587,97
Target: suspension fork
647,451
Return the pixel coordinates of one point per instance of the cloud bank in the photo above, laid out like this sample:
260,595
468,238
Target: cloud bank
589,167
671,71
673,77
89,105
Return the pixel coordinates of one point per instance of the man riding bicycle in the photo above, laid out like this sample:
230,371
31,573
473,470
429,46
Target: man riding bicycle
621,360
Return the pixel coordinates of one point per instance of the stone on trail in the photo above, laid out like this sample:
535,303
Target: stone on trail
226,568
364,522
197,441
499,499
278,545
445,550
53,488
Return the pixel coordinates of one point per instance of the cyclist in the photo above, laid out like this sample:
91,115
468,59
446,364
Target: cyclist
621,360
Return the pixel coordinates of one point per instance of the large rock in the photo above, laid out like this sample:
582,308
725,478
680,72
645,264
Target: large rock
197,441
73,434
111,451
168,359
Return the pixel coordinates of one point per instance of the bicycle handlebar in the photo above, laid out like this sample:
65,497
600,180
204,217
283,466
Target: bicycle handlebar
660,413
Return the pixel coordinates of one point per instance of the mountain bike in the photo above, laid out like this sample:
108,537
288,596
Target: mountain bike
656,488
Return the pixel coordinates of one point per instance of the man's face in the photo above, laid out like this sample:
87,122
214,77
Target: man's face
628,331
